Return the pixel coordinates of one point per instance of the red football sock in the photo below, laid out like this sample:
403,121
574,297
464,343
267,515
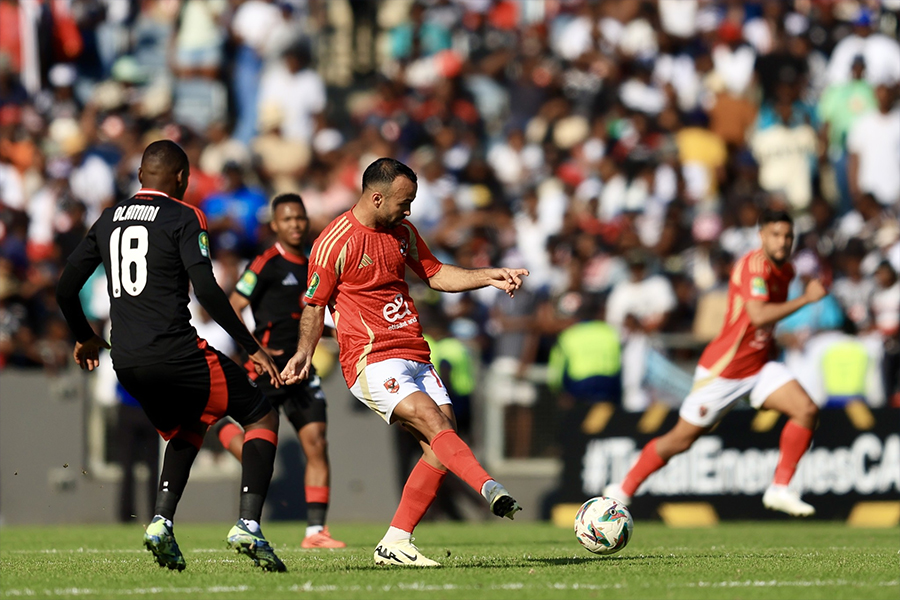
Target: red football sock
456,455
228,432
648,463
318,494
794,442
418,494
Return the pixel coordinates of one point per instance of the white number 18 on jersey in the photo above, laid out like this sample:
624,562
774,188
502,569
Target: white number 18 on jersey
132,246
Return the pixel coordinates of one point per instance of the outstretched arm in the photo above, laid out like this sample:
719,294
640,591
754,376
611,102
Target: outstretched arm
451,278
764,313
312,322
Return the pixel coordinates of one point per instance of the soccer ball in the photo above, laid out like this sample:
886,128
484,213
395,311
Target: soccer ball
603,525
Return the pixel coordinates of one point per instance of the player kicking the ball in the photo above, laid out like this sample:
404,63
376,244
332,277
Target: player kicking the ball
737,363
357,268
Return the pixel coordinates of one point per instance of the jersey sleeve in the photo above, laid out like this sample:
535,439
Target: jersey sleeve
86,255
193,241
754,283
322,278
419,258
252,283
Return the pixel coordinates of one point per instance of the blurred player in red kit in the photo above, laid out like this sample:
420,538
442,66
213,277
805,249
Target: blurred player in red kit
739,362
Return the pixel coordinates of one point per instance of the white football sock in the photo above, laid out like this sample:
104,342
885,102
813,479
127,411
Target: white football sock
252,525
313,530
395,534
488,489
168,521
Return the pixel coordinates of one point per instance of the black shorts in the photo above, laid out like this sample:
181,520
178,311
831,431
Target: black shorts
302,403
203,388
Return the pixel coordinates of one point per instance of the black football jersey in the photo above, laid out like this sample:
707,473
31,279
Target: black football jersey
274,284
146,244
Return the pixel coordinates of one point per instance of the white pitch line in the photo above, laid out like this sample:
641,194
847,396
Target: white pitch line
407,587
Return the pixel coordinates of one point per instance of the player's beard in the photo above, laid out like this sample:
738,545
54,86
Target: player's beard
778,262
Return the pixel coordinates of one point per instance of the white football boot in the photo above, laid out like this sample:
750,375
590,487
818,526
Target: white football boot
614,491
779,497
402,553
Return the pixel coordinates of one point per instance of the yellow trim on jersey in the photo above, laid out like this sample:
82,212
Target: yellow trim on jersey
328,241
758,264
738,268
367,393
413,249
333,239
361,362
341,259
719,366
736,309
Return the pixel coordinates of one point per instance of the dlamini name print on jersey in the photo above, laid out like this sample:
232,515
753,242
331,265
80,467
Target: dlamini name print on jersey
136,212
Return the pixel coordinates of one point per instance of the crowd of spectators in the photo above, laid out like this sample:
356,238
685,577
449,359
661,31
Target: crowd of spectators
620,150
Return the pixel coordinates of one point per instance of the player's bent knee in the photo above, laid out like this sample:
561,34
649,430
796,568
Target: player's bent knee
808,414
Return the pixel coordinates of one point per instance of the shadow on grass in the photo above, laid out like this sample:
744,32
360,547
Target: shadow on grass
451,562
579,560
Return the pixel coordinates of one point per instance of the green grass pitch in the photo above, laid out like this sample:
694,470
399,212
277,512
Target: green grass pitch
785,559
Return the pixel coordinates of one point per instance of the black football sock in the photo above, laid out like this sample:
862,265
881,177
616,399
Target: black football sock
180,455
258,463
315,513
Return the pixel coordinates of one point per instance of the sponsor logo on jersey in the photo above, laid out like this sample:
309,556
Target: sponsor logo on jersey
313,286
396,310
392,386
204,244
247,283
290,280
758,287
365,262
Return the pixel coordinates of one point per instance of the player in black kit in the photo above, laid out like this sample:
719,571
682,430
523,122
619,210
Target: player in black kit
273,287
151,247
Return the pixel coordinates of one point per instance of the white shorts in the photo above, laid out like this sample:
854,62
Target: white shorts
382,385
711,398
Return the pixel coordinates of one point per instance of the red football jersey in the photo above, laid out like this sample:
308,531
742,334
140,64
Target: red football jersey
740,350
359,273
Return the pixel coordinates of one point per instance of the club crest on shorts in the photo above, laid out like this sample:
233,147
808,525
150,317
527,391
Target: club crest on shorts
391,385
703,411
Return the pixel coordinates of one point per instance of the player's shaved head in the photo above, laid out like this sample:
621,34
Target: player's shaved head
165,167
164,156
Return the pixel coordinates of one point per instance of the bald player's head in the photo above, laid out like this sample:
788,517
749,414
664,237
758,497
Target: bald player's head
165,167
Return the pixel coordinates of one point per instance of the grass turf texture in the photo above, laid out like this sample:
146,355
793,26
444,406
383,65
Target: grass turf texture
500,560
